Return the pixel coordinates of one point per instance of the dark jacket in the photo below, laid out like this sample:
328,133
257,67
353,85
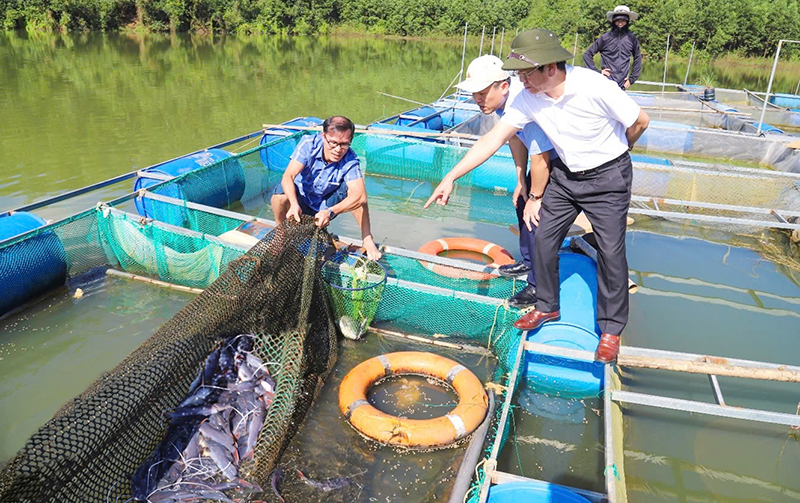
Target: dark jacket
616,48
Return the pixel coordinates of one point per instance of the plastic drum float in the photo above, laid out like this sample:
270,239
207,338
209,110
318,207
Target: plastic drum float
576,329
31,266
219,185
414,433
498,254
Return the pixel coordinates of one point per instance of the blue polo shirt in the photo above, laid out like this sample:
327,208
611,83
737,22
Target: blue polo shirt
320,180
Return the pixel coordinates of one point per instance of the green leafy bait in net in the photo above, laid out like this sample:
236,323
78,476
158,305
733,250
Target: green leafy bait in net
355,286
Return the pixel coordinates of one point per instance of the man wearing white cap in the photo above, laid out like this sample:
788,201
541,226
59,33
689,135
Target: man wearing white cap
592,124
616,48
492,88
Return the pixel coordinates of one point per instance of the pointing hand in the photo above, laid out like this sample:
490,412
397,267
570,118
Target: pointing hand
441,194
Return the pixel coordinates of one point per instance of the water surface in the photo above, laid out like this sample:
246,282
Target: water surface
52,350
82,108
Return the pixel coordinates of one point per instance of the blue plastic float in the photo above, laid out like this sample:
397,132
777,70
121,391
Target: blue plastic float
533,492
785,100
218,187
276,158
30,267
577,329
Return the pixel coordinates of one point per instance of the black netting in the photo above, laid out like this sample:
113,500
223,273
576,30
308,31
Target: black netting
91,447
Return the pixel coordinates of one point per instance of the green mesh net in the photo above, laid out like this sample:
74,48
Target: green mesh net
355,286
90,448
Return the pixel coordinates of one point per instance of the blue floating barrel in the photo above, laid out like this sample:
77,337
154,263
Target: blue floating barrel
32,266
276,158
422,118
575,330
534,491
217,186
497,173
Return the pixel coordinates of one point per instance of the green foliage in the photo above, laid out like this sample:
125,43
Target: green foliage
743,27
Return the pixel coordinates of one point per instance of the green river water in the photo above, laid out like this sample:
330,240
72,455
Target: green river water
78,109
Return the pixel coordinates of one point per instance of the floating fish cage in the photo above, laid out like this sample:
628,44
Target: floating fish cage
277,291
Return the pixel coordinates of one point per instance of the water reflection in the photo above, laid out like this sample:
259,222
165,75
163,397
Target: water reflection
51,351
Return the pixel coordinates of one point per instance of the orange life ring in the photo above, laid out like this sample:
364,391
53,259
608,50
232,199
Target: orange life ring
393,430
497,253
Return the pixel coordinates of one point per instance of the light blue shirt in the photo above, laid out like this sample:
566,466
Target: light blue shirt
319,180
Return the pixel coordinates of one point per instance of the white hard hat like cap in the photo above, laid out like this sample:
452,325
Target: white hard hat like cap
483,72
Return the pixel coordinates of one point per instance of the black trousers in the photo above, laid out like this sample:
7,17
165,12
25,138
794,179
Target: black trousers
604,194
526,237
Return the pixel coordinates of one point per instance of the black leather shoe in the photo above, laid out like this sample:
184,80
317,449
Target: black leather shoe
513,270
524,298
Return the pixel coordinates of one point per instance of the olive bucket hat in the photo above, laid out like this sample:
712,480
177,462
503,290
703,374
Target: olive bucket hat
535,48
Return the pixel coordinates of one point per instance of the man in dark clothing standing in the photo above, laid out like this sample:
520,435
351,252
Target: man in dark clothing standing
616,48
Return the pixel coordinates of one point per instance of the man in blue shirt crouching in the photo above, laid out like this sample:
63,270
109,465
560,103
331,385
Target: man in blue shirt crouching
324,179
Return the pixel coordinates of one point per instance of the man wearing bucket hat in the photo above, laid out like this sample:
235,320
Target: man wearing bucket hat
616,48
592,124
492,88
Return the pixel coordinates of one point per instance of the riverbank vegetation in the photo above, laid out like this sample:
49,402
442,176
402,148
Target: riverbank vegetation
715,27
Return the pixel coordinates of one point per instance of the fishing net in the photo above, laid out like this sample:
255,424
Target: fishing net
90,448
355,286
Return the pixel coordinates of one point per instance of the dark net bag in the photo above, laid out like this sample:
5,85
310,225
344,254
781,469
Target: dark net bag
88,451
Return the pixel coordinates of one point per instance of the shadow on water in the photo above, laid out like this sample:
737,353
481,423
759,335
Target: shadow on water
555,439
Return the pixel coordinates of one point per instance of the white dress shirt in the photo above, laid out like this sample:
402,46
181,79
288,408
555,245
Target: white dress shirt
586,125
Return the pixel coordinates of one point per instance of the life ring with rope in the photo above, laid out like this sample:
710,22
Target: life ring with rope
473,401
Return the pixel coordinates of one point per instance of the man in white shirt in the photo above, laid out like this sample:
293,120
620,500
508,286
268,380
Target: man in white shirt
592,124
492,89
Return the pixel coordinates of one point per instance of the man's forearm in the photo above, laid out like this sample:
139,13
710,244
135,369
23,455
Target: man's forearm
483,149
636,130
349,203
540,173
287,182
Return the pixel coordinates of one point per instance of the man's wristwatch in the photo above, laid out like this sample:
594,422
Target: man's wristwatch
534,197
331,214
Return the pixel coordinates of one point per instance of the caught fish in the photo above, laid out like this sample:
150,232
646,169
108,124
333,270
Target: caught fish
275,479
352,328
325,485
210,367
223,458
201,410
213,429
225,439
254,425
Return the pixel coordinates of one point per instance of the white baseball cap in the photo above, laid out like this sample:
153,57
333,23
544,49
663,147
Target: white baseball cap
483,72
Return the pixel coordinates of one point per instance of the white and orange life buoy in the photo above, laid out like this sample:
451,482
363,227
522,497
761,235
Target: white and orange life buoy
419,433
498,254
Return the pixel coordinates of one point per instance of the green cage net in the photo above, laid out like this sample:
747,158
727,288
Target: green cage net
355,286
91,447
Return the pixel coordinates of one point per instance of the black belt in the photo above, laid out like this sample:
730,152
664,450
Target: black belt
587,173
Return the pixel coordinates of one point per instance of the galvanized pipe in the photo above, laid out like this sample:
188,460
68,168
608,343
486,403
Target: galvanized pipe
474,449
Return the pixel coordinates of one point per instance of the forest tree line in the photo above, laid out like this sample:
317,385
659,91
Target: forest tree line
715,27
